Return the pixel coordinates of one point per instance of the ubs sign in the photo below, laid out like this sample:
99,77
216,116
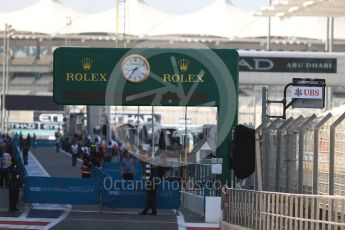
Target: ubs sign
297,65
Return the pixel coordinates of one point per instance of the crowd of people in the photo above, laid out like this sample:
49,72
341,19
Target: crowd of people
94,152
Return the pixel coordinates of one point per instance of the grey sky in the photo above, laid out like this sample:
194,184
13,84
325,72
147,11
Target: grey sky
100,5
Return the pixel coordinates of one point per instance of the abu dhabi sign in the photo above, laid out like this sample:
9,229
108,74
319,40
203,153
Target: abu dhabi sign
296,65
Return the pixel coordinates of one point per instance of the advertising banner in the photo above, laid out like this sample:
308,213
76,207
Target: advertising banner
53,190
288,65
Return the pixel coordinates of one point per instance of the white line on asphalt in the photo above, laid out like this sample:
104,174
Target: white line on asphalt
182,225
180,221
61,217
13,226
115,212
45,173
66,208
202,225
130,221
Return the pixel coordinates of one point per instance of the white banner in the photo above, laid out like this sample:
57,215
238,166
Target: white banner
306,92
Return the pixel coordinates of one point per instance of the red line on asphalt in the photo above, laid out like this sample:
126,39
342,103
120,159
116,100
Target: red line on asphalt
20,222
2,228
202,228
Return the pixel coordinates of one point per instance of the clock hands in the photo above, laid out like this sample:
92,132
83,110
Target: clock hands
130,75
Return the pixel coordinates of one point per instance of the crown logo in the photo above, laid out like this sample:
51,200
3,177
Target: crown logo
86,62
183,64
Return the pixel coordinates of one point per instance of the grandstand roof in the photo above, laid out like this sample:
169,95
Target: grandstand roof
295,27
140,19
288,8
218,19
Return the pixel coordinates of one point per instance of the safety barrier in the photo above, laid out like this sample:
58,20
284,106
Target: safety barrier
271,210
103,190
44,143
193,202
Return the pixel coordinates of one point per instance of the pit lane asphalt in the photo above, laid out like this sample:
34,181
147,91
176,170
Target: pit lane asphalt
89,217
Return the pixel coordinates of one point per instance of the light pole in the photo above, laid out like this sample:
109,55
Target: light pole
3,75
67,108
6,56
268,45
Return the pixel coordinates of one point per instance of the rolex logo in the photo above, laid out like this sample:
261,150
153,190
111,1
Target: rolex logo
86,63
183,65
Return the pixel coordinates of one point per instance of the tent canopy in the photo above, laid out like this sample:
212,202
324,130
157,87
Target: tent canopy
218,19
318,8
45,16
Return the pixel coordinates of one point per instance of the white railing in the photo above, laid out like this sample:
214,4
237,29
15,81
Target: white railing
270,210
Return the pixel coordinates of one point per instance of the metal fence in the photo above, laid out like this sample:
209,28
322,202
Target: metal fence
305,155
300,175
271,210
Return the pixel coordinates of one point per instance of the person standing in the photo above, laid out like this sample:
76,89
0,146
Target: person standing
2,176
34,140
20,140
9,146
57,145
14,186
113,146
57,140
6,161
158,167
28,140
25,152
86,167
74,152
151,187
127,166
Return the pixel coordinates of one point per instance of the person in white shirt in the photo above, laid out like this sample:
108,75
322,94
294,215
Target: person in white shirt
113,146
74,152
98,141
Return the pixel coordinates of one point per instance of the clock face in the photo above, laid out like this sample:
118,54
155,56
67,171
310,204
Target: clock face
135,68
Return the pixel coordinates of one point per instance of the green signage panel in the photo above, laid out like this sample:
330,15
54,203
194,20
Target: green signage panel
150,77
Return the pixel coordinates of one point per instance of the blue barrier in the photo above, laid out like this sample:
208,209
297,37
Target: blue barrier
123,194
106,182
52,190
44,143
